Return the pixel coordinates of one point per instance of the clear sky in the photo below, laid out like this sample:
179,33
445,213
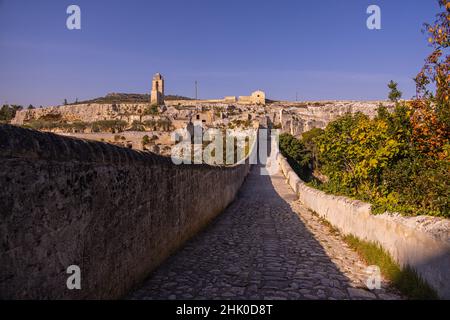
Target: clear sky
320,49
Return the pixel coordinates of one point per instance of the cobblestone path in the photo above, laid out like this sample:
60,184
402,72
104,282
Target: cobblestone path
266,245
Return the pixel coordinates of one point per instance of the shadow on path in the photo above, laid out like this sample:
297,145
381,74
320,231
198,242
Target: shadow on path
257,249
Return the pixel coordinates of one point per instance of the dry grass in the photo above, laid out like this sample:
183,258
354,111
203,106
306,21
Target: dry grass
406,280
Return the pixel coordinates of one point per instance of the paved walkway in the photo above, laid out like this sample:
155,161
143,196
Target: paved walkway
266,245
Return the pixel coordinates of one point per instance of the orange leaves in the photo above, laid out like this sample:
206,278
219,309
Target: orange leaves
430,134
430,122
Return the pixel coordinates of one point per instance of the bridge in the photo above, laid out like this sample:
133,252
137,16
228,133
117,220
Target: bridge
140,227
266,245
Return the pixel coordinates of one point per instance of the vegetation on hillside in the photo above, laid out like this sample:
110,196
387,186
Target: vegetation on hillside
116,98
239,123
112,126
8,112
151,110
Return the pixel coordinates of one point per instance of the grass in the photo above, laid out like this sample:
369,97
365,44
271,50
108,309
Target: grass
406,280
326,223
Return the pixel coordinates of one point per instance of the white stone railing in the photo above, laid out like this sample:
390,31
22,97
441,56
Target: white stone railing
421,242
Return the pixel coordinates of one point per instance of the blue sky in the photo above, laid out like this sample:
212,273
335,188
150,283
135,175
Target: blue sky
320,49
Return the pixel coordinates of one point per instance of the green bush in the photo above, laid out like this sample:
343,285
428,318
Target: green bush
416,185
51,117
137,126
79,126
7,112
145,140
113,126
297,155
151,110
38,124
164,124
375,160
309,138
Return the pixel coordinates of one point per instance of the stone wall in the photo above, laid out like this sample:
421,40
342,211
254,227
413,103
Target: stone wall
114,212
421,242
256,98
198,103
296,118
132,138
86,112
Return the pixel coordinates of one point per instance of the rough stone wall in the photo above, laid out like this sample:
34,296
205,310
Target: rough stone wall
132,138
199,103
296,118
114,212
86,112
422,243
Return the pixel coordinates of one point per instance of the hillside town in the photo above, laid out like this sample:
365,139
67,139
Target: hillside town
123,119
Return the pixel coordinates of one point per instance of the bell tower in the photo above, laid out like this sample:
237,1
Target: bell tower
157,94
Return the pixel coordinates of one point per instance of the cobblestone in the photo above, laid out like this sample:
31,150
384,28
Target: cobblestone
266,245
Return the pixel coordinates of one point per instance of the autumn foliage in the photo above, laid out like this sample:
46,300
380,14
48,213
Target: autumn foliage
399,160
431,111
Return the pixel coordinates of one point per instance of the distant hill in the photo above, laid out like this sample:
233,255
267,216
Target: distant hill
111,98
176,97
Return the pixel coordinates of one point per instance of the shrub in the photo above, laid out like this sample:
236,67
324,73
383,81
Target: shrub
51,117
79,126
394,94
376,160
42,125
416,185
431,116
109,126
296,154
145,140
309,139
137,126
164,124
7,112
151,110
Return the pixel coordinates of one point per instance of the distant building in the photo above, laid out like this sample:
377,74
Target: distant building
157,95
230,99
257,97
